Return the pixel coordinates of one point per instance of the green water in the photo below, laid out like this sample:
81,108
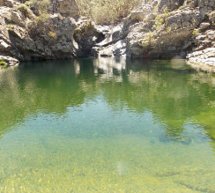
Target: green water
107,127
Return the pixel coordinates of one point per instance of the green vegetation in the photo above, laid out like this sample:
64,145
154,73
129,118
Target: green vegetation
24,9
83,30
195,32
3,64
160,20
40,8
106,11
41,5
42,17
148,40
52,35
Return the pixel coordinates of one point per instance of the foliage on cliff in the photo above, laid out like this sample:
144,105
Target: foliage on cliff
106,11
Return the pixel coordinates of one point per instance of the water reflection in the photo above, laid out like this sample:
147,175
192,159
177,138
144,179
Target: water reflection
107,126
175,96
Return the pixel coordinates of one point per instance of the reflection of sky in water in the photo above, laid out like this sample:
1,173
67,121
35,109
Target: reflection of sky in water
141,128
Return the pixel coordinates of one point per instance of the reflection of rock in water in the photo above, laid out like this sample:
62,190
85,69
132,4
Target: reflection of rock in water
121,168
110,65
203,78
77,67
178,64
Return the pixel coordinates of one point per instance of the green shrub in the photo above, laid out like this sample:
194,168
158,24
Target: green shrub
42,18
106,11
195,32
52,35
148,40
3,64
41,6
160,19
24,9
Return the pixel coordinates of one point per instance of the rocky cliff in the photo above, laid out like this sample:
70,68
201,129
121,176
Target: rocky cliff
28,34
154,29
165,29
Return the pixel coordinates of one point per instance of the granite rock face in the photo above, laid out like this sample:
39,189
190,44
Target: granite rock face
166,29
154,29
26,37
170,35
202,55
57,34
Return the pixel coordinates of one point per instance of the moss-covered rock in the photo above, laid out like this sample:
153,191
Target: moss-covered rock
6,61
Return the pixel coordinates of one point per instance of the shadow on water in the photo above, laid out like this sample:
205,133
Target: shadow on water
173,92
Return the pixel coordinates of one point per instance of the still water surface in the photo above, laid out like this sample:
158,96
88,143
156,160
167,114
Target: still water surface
107,127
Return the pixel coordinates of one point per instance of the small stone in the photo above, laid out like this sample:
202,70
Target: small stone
201,37
204,26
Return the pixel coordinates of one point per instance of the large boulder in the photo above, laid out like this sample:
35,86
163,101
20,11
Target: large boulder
48,39
171,35
25,36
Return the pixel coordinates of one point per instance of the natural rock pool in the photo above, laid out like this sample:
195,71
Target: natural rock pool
107,127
